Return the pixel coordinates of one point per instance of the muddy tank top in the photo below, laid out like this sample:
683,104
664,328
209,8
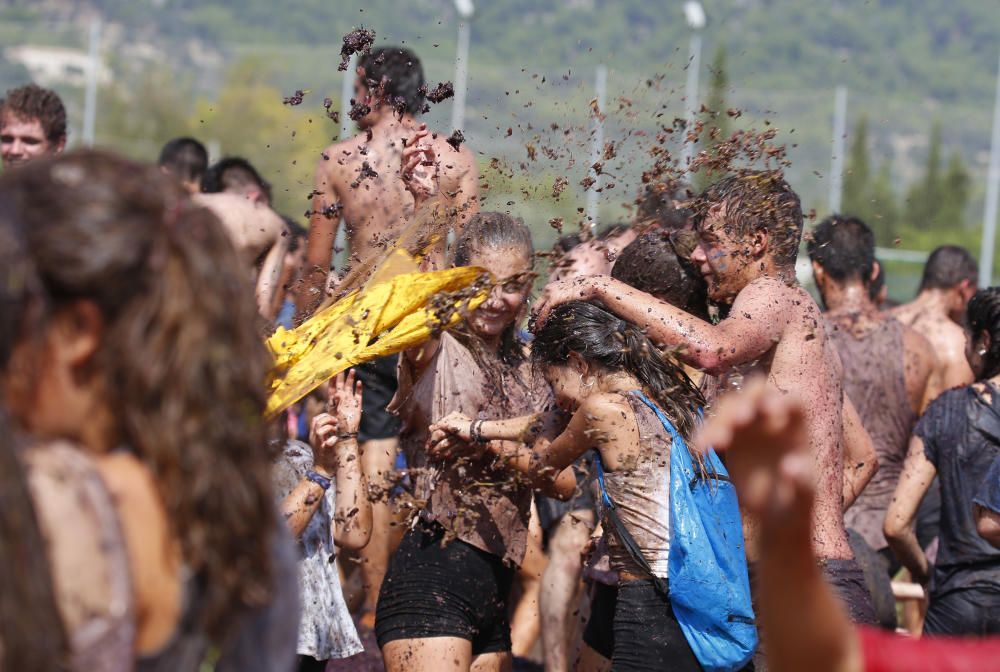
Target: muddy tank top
875,382
641,494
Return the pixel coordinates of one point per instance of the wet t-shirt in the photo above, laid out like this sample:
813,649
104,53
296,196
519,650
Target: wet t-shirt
988,496
875,382
961,434
474,497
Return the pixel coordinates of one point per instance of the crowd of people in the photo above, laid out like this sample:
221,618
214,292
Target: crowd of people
679,446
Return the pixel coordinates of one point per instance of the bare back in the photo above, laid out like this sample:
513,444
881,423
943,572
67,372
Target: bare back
359,179
947,340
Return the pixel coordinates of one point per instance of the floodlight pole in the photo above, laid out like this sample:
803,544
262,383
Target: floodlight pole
837,158
93,74
992,194
597,143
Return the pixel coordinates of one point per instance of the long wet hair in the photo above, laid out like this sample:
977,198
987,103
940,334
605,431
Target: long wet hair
180,363
983,314
32,635
602,338
495,231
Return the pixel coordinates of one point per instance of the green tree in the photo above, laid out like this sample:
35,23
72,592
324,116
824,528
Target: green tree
954,194
856,190
717,126
923,201
882,209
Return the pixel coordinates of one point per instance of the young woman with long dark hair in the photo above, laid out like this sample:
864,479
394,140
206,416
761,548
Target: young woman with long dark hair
614,381
141,347
956,439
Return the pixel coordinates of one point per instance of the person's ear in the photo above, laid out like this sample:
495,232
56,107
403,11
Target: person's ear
578,364
818,274
876,268
985,341
60,146
76,333
759,243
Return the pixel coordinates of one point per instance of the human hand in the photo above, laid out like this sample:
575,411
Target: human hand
554,293
768,459
323,438
420,167
345,401
454,424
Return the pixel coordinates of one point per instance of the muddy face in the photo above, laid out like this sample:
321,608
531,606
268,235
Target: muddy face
511,267
721,257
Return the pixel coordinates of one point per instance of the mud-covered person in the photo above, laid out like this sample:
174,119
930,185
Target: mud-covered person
357,180
887,375
444,600
749,227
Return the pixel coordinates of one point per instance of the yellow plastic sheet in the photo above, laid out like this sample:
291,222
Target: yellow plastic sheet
393,312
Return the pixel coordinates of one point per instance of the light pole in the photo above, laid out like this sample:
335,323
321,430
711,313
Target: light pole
93,74
597,143
695,15
837,158
465,10
992,194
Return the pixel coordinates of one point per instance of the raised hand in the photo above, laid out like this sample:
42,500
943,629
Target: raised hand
554,293
420,167
323,438
345,401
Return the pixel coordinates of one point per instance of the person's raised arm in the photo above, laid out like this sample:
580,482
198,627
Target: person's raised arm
755,324
860,459
352,516
918,472
269,278
324,220
466,199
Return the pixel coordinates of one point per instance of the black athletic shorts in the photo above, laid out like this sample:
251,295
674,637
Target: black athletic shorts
379,380
600,632
647,636
454,591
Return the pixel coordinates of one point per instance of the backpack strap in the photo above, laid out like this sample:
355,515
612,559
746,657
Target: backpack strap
626,538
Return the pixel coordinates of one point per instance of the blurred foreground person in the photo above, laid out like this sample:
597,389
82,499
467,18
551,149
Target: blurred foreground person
32,124
765,436
140,348
957,439
65,601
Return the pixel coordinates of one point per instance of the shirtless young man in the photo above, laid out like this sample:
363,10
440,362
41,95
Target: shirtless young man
888,371
748,236
359,179
32,123
949,281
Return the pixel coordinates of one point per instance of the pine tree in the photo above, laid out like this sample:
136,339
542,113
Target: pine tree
717,127
882,213
855,195
954,199
924,198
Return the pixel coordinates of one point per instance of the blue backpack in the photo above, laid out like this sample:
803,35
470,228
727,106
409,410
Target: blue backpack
708,586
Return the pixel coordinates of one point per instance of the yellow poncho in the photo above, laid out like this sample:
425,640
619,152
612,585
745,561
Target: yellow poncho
391,313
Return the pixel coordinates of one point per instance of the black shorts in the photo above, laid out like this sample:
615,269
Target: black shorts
848,582
451,591
600,632
647,636
379,380
551,511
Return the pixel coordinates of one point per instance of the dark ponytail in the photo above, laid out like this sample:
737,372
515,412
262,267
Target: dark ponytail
983,314
604,339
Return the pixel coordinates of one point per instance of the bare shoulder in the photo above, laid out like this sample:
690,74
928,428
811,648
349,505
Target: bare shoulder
777,299
918,346
453,160
341,154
